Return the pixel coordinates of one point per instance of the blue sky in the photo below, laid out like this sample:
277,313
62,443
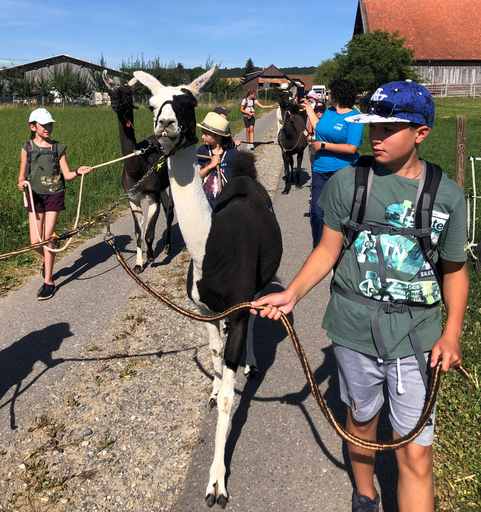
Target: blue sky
278,32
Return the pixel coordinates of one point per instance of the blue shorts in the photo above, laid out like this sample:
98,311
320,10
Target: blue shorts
361,380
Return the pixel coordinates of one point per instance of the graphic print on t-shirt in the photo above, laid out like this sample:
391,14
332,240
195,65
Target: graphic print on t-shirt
400,253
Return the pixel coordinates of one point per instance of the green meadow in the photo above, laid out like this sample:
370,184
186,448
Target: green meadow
92,138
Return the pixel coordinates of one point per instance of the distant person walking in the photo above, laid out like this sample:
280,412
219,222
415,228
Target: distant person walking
248,111
223,113
44,165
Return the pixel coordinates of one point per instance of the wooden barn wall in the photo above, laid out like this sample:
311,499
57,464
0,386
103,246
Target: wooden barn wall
450,73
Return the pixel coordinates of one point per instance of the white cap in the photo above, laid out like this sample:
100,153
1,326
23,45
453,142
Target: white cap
42,116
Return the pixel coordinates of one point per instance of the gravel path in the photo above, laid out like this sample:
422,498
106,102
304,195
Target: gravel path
117,429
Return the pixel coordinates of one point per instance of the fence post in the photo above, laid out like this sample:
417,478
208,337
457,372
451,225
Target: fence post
461,124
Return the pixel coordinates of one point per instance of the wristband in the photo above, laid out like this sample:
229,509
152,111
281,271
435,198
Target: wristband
323,145
76,172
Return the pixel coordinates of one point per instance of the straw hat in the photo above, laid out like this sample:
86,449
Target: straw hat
215,124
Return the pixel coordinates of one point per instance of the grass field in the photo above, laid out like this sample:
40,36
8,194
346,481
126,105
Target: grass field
92,137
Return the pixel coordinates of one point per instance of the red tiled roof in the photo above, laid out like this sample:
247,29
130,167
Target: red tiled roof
434,29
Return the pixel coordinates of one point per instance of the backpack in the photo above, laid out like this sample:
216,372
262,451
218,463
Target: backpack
247,102
31,152
423,208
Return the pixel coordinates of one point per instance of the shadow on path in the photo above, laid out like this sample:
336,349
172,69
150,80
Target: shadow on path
90,258
18,360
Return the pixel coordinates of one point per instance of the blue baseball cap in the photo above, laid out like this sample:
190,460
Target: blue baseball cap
397,102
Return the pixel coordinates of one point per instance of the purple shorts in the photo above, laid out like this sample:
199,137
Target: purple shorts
47,202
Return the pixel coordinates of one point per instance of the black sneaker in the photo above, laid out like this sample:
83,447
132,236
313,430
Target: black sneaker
365,504
46,291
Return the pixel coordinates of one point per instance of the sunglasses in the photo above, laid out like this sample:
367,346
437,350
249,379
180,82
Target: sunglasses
385,108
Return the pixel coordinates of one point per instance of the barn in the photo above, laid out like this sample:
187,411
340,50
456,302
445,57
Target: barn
270,75
42,68
444,35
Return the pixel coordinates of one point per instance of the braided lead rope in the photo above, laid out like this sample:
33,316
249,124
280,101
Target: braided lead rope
32,204
363,443
103,215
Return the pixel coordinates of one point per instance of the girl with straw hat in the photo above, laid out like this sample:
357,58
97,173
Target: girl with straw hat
215,155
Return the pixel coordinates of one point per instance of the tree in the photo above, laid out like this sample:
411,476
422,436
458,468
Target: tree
43,87
63,80
327,71
3,84
370,60
22,85
81,87
249,67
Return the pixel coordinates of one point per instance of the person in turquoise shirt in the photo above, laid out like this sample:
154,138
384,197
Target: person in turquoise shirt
336,144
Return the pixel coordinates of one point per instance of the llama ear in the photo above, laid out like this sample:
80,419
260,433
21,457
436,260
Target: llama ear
149,81
132,82
199,85
109,82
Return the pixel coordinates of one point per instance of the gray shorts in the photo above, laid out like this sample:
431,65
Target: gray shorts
361,379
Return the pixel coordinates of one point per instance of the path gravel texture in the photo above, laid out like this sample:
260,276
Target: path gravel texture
104,390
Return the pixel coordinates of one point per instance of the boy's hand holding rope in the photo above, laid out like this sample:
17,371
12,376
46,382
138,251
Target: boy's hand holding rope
363,443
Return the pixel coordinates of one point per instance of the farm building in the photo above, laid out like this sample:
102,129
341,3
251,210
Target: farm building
271,75
444,35
42,68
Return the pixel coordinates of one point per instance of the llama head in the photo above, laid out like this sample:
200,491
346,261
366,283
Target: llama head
285,97
173,108
121,98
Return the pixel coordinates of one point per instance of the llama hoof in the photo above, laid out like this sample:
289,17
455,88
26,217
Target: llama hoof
167,249
138,269
212,403
298,185
252,373
210,500
285,192
222,501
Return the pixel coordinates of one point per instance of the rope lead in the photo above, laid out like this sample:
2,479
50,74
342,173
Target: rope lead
363,443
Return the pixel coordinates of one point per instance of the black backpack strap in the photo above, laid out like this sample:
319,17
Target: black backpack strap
55,154
423,216
29,157
360,200
362,189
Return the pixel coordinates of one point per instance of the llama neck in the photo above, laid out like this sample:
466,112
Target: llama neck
192,208
128,143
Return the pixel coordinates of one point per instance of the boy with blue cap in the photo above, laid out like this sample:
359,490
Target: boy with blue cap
382,316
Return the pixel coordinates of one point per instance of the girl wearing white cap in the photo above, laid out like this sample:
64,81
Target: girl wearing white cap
215,155
44,165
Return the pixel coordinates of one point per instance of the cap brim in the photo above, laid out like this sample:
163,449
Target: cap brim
373,118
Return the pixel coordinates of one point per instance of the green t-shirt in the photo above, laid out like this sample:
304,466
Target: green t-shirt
45,178
409,277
